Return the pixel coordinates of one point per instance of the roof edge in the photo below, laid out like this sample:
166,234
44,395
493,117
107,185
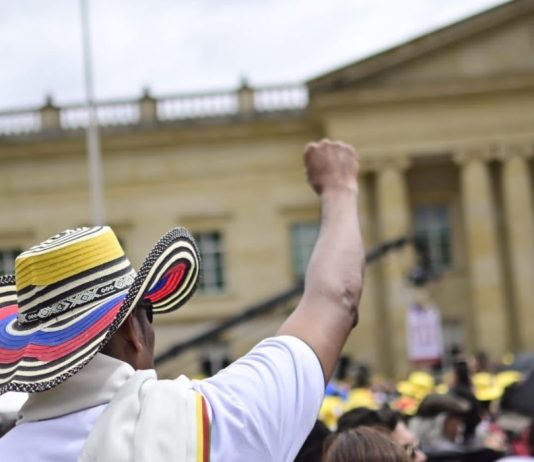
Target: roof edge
421,45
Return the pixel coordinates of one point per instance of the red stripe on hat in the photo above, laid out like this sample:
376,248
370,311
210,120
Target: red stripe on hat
51,353
176,275
7,311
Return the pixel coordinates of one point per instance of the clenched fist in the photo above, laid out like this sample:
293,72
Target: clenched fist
331,165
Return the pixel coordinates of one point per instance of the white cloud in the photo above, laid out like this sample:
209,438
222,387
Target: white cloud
176,46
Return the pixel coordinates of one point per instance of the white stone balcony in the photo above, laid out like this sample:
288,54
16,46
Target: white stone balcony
149,110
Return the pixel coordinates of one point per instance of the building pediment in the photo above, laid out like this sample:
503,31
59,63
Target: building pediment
496,45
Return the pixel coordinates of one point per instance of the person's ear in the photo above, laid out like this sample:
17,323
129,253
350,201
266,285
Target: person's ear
132,333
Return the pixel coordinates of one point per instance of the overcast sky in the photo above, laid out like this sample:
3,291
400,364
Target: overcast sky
176,46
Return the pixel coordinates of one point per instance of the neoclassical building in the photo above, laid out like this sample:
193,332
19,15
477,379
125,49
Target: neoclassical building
445,128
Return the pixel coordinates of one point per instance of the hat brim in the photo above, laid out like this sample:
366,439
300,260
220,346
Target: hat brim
37,358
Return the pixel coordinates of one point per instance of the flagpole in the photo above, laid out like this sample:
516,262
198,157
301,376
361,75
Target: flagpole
92,134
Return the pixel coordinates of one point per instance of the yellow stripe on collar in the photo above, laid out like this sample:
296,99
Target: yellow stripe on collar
203,430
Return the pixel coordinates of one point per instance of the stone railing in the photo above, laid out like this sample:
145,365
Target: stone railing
148,110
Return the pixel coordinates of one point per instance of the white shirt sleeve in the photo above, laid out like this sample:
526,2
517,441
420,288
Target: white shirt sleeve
264,405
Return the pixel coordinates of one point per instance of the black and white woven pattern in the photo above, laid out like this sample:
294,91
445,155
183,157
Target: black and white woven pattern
181,241
8,291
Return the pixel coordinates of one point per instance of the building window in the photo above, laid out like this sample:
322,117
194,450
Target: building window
7,260
433,227
210,246
303,237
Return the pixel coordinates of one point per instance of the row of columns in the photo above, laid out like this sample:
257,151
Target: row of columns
497,311
500,314
519,207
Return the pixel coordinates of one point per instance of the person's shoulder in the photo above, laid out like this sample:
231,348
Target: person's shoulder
275,361
287,351
12,442
287,342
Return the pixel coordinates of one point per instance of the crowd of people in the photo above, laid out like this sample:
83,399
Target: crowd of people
465,414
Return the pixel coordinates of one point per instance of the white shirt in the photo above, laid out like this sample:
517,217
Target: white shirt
262,406
517,459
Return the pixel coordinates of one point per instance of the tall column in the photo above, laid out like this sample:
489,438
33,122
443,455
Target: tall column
519,210
394,222
486,276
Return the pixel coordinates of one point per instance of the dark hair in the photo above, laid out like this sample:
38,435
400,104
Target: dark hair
143,310
362,444
312,449
362,416
434,404
461,373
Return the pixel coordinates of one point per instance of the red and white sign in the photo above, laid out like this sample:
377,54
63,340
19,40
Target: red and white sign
425,338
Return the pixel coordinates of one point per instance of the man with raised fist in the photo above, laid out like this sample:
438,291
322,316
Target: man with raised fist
76,333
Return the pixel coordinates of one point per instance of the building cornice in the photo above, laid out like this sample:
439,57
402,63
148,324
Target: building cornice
138,138
420,46
372,95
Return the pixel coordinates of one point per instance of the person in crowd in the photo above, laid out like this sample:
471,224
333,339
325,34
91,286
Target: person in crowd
312,449
363,444
439,426
438,423
463,388
76,333
390,421
529,446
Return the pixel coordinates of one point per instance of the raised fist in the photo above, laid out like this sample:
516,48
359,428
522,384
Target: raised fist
331,165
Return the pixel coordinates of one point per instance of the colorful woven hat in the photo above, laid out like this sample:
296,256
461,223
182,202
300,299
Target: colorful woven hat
71,293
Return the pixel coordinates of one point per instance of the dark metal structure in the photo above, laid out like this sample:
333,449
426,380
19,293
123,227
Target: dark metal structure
420,275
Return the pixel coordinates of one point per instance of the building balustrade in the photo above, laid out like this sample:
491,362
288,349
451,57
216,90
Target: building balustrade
148,110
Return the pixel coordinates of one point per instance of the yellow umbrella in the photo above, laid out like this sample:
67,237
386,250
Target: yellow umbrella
482,379
488,393
423,380
331,409
360,397
506,378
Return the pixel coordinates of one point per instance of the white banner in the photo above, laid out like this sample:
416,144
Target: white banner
425,339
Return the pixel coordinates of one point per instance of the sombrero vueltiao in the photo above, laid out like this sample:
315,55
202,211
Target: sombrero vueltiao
70,294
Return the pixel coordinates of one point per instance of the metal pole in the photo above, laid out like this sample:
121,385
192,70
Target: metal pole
92,136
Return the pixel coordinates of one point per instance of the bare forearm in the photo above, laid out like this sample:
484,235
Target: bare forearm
335,271
329,307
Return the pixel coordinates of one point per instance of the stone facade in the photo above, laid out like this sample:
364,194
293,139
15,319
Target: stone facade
443,124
